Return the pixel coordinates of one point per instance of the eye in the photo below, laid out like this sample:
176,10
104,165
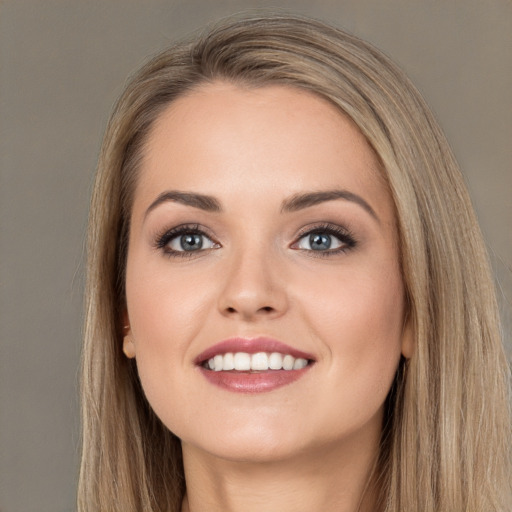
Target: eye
326,239
184,240
190,242
319,242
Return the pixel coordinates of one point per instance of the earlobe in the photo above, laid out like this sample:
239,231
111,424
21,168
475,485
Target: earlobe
408,339
128,346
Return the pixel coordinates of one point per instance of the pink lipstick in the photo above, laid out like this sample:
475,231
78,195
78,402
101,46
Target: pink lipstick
253,365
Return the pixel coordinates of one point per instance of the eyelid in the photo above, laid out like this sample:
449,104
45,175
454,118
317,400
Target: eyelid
174,242
347,239
163,238
344,235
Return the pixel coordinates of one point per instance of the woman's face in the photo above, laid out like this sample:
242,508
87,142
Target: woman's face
261,228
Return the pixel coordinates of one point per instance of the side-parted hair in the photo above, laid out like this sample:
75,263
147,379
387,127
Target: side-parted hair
446,441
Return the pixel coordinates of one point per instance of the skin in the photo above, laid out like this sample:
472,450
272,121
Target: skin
252,149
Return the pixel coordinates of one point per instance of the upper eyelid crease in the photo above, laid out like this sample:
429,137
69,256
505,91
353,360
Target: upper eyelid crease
181,229
294,203
340,232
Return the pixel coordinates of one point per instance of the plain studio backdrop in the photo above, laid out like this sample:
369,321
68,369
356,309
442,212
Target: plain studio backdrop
63,63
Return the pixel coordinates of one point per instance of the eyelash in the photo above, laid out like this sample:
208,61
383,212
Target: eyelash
165,238
344,235
346,238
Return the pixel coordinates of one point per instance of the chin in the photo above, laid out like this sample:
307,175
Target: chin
254,450
247,441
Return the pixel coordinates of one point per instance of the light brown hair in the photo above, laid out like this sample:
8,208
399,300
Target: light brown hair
446,439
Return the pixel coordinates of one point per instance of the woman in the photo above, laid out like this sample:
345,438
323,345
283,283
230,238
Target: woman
289,305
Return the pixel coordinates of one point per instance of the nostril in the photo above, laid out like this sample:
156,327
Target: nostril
264,309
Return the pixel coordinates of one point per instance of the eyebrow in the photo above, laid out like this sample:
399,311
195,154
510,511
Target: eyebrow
294,203
201,201
301,201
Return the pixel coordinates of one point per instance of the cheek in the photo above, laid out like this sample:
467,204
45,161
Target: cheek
364,353
162,305
359,315
364,298
167,312
161,318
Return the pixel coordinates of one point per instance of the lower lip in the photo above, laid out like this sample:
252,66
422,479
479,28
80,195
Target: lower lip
253,382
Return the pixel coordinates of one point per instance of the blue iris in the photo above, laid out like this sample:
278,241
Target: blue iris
191,242
319,241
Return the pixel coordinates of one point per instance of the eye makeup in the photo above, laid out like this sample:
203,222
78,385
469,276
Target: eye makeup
190,237
326,231
188,240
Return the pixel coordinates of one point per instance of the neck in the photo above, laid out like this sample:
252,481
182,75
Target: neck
328,480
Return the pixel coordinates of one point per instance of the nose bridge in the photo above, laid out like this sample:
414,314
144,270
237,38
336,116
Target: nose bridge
252,287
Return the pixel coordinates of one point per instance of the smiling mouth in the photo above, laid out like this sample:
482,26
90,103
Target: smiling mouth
257,362
253,365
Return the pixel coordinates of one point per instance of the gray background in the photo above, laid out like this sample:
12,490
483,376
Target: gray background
63,64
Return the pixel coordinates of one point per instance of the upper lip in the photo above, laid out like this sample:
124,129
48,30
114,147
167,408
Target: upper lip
250,346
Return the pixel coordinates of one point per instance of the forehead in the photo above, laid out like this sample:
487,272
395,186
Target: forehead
265,140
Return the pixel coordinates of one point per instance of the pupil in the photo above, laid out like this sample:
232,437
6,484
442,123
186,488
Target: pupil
191,242
318,241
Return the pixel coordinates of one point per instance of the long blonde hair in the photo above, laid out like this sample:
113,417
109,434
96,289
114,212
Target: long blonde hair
446,439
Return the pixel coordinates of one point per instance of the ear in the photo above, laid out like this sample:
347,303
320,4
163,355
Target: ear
129,346
407,338
128,343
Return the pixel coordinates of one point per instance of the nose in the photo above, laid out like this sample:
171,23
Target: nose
253,288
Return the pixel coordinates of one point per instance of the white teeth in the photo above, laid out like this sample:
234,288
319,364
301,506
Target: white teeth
242,361
300,363
261,361
275,361
229,362
217,363
288,361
